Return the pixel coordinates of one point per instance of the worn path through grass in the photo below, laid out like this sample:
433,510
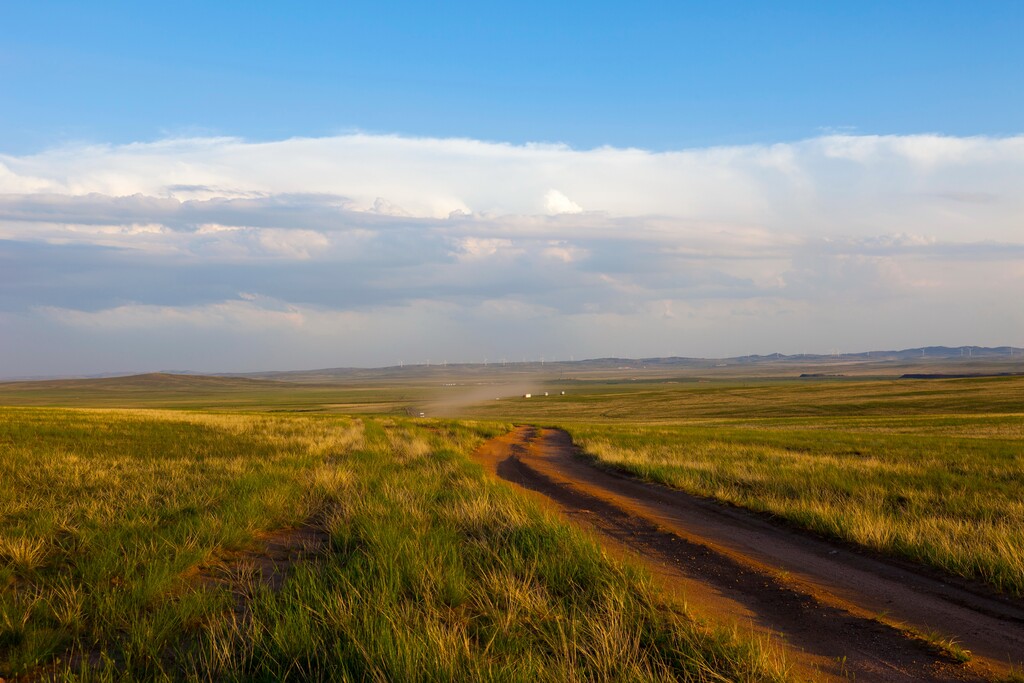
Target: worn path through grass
828,600
947,492
931,471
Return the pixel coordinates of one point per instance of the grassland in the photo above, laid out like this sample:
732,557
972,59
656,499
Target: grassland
189,392
112,522
686,401
931,471
952,498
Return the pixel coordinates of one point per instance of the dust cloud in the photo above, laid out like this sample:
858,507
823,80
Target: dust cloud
452,399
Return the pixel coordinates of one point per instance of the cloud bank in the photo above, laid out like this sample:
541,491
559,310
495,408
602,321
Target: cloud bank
222,254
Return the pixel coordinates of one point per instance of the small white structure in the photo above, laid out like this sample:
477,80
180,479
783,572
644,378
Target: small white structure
563,393
545,393
527,395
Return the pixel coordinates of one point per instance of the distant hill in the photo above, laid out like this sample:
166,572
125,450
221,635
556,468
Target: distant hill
909,357
148,381
972,360
157,389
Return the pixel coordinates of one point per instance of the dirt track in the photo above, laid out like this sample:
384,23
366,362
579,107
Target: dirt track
840,613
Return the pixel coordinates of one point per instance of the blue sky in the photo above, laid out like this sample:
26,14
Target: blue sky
652,75
248,186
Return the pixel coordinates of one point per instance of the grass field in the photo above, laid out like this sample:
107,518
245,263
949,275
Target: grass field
946,492
669,401
188,392
113,522
932,471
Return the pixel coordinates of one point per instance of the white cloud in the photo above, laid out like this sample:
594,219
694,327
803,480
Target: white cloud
620,246
834,185
555,202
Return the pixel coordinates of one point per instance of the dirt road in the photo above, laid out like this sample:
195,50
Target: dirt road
838,612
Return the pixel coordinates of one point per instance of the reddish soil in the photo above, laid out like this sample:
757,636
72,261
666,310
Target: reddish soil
839,612
267,565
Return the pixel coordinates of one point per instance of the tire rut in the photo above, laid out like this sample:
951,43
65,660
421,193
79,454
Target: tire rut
702,550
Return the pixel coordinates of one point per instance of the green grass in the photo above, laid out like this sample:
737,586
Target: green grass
683,402
946,491
191,392
108,519
102,514
928,470
433,571
950,647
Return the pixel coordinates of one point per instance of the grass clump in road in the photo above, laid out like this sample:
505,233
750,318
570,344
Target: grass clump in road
945,491
432,570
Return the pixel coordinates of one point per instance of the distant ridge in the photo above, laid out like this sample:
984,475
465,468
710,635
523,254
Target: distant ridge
146,381
928,353
914,356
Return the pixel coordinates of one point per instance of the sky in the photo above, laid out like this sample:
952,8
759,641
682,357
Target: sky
251,186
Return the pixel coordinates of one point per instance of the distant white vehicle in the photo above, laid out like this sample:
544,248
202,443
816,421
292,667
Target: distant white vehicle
527,395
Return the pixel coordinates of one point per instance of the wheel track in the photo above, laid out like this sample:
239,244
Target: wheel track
839,613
